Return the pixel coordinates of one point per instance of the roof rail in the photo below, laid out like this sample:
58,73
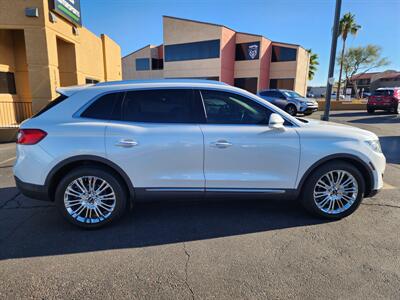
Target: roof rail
169,80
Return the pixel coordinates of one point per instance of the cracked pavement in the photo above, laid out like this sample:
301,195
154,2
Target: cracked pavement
213,249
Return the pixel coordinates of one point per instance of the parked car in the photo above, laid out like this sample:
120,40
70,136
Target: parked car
387,99
333,96
99,148
290,101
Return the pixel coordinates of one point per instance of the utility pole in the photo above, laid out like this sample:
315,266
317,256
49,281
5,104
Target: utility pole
331,79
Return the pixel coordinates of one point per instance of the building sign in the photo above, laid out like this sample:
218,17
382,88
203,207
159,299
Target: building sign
253,51
69,9
247,51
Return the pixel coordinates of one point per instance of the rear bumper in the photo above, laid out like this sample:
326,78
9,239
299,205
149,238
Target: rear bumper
381,106
39,192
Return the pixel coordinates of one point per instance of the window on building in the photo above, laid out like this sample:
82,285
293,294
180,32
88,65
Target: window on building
91,81
192,51
229,108
7,83
163,106
283,54
286,84
247,51
142,64
157,64
107,107
248,84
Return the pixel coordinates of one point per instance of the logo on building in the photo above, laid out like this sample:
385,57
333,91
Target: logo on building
69,9
253,51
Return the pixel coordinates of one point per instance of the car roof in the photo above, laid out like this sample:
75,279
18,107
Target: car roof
132,84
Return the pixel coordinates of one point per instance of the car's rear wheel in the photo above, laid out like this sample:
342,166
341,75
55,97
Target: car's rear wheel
90,197
334,190
291,109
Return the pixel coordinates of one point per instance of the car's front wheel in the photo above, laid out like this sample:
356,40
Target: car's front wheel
291,109
90,197
334,190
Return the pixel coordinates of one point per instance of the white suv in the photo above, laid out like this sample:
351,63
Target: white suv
97,148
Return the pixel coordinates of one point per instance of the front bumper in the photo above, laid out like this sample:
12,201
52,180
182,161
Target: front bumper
39,192
308,109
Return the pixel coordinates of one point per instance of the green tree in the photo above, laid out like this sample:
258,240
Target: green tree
360,60
313,64
347,25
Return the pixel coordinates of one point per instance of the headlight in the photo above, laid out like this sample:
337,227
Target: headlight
375,145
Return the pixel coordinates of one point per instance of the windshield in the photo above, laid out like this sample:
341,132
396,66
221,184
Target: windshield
292,94
383,93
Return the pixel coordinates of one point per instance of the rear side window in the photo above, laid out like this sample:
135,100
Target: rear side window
163,106
383,93
51,104
107,107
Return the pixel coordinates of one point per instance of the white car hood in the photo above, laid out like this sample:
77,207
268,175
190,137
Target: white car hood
339,130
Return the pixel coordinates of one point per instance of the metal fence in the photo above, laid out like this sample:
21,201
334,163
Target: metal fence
13,113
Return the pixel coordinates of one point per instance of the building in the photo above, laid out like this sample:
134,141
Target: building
193,49
369,82
42,47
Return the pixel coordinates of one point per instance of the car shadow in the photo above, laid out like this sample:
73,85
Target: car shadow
366,118
41,231
391,148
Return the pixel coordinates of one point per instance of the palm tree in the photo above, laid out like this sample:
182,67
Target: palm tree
347,25
313,64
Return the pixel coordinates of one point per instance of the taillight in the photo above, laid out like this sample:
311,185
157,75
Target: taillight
30,136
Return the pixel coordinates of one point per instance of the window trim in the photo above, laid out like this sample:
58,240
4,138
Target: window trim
78,113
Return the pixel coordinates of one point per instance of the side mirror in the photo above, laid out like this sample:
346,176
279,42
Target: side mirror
276,121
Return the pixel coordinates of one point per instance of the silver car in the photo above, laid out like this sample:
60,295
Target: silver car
290,101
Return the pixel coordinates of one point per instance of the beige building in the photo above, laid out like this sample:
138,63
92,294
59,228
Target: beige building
193,49
42,47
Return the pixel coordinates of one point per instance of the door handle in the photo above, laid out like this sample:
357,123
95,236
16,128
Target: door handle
126,143
221,144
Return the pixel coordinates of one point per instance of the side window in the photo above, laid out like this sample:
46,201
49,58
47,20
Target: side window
107,107
266,94
163,106
229,108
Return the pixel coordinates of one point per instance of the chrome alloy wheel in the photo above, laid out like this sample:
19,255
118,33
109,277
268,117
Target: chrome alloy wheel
89,199
335,191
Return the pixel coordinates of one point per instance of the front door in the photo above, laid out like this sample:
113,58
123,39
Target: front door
241,151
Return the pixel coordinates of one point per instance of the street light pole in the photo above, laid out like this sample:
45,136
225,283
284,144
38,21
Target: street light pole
331,79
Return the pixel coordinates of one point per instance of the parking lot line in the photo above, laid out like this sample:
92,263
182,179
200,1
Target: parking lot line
7,160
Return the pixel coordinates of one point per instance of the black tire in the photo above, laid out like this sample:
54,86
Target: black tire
396,109
370,110
291,109
307,195
107,176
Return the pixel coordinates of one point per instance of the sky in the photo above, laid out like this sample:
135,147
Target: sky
134,24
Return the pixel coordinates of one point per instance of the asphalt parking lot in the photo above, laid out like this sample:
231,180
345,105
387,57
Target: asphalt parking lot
215,249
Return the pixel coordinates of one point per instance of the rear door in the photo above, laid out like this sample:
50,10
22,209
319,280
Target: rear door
158,142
